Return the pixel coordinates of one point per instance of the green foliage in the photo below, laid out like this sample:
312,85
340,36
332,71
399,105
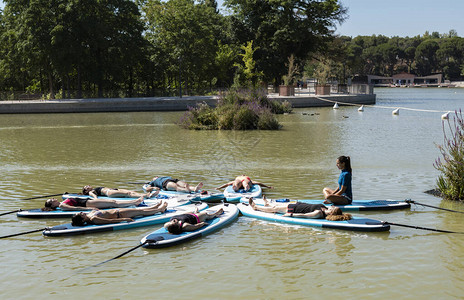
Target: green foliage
237,110
451,164
251,76
292,71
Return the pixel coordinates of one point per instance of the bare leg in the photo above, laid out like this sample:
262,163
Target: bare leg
198,187
182,187
122,193
282,208
113,203
337,200
205,216
143,211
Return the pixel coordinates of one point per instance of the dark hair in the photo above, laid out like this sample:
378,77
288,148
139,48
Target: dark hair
347,161
174,228
48,205
77,220
86,189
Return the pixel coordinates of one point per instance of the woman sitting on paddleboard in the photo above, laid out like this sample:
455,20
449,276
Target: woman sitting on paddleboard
243,182
117,193
190,221
303,210
87,204
100,217
343,194
168,183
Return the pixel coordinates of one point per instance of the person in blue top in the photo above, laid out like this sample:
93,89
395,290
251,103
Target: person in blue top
170,184
343,195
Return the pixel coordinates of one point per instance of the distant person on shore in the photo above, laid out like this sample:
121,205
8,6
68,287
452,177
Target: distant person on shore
190,221
100,217
116,193
243,182
168,183
343,194
88,204
302,210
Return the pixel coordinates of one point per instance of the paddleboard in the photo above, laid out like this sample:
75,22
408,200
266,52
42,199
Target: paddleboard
66,196
201,195
58,213
232,196
68,229
355,224
357,205
162,238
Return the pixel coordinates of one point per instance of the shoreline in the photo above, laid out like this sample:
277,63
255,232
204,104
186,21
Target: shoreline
300,100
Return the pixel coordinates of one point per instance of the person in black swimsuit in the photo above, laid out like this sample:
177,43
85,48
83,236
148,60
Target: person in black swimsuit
100,217
189,221
116,193
302,210
88,204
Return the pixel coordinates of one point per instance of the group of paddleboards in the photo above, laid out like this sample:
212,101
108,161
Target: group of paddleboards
167,200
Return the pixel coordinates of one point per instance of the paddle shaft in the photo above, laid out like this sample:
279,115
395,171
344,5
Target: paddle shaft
436,207
44,196
120,255
21,233
423,228
10,212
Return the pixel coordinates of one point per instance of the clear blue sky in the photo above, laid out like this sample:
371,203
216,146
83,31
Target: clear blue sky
399,17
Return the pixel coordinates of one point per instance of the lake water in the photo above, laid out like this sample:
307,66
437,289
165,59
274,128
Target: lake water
392,158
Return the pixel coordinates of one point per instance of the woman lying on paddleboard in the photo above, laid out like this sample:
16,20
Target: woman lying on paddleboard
87,204
117,193
343,195
243,182
303,210
168,183
190,221
100,217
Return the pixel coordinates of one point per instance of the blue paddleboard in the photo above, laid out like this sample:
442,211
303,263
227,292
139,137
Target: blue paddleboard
232,196
201,195
357,205
355,224
162,238
68,229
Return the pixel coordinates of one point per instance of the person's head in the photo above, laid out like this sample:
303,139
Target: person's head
334,213
344,163
51,204
79,219
173,226
154,178
86,189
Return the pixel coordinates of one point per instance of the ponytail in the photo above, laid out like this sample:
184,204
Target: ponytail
347,161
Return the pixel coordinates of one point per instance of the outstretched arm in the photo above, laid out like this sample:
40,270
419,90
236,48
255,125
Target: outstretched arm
101,221
93,195
64,206
262,184
224,185
312,215
190,227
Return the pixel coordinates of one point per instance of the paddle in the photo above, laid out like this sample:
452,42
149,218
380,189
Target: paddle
21,233
10,212
412,226
436,207
44,196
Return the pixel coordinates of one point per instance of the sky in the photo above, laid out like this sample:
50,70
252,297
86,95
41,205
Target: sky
399,17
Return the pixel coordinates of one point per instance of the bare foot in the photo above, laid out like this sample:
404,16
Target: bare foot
164,207
266,203
138,201
252,203
199,186
153,194
219,212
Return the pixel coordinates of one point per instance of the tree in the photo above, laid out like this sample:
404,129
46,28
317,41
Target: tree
280,28
425,56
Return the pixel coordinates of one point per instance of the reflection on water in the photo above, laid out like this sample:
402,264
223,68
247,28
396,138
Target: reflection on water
392,158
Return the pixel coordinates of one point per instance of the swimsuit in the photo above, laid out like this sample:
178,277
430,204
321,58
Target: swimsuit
304,208
98,191
162,182
76,202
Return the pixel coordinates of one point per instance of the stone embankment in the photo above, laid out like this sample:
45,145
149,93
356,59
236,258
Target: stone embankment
163,103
